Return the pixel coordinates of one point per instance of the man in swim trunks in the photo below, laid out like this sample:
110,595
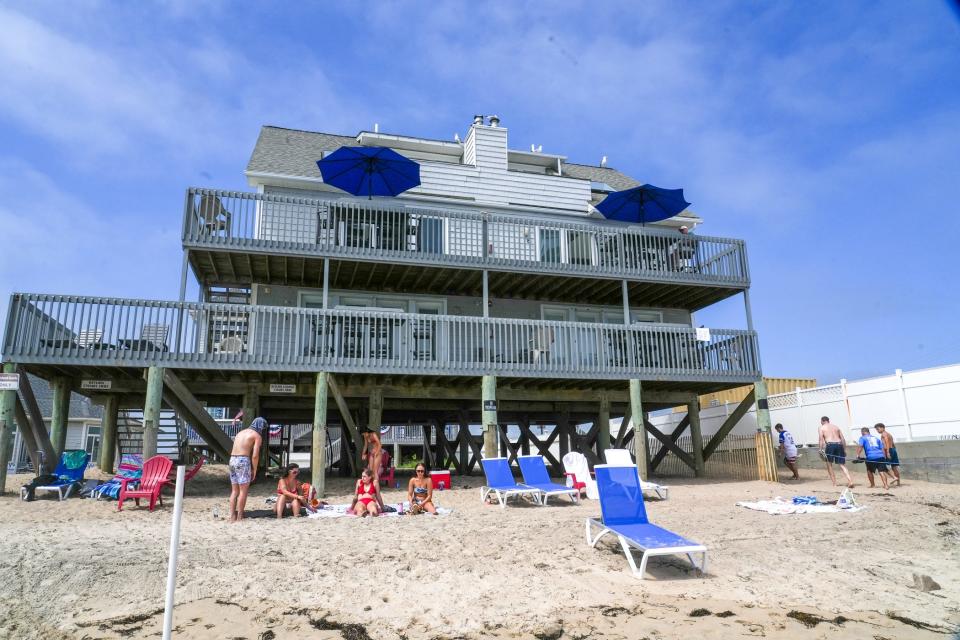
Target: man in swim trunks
833,445
788,449
871,449
889,449
243,465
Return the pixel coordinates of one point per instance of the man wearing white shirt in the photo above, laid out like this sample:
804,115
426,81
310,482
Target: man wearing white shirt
788,448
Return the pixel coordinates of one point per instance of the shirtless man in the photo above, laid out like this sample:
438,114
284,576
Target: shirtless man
243,465
833,445
889,449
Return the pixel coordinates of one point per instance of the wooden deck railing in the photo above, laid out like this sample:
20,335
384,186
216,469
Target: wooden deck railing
74,330
388,231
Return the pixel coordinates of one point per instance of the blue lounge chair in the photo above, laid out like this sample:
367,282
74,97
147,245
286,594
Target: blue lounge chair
69,474
500,482
535,475
621,503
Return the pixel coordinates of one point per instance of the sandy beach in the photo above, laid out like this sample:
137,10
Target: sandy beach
79,569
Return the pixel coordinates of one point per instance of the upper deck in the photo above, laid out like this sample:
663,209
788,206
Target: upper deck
239,237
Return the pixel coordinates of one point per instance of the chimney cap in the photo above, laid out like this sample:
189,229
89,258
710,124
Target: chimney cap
494,121
478,119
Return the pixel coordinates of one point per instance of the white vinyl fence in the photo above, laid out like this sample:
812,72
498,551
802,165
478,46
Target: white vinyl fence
914,405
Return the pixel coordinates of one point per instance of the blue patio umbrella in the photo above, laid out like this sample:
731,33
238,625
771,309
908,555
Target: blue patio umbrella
643,204
369,171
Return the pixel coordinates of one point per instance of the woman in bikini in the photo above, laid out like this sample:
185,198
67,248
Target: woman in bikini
372,452
420,492
366,498
288,491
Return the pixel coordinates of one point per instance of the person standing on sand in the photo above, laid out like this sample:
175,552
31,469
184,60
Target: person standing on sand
244,459
788,449
833,445
871,449
889,450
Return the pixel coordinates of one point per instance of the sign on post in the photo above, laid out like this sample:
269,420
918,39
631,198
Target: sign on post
489,405
96,385
703,334
9,381
283,388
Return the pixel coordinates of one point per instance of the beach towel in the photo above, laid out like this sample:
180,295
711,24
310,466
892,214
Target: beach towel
343,511
130,467
781,506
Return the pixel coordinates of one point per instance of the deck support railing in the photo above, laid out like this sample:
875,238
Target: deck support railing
389,231
102,331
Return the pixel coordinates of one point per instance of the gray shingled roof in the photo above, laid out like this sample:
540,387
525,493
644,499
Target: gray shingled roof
290,152
80,406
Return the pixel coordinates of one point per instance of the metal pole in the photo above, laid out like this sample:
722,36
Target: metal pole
326,282
174,547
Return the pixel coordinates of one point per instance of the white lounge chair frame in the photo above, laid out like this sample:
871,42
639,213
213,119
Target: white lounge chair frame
627,544
544,494
63,490
503,495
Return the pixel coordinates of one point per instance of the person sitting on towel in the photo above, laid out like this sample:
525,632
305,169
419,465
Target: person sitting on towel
289,492
871,448
366,497
420,492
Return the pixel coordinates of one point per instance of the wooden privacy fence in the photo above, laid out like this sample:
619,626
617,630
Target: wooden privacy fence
735,458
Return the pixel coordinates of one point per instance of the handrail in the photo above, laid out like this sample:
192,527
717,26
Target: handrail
391,231
80,330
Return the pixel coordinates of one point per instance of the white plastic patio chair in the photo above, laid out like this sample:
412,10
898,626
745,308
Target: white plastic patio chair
621,458
577,471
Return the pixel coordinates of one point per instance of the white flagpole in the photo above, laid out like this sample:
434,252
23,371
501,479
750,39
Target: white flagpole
174,546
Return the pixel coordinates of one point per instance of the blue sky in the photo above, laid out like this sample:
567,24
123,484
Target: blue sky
826,134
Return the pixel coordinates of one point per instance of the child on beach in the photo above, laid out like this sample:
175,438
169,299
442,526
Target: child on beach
871,448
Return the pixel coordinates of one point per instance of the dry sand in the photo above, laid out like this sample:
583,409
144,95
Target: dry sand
79,569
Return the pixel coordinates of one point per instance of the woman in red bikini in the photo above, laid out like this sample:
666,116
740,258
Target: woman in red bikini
366,498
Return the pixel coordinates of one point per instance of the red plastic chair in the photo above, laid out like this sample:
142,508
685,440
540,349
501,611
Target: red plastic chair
156,472
386,470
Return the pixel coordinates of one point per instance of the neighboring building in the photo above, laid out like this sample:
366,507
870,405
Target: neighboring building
734,396
492,293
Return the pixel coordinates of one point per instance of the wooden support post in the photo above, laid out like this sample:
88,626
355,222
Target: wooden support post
108,433
8,410
375,412
766,457
693,414
603,420
639,429
251,409
463,437
318,443
151,411
489,412
563,425
60,417
350,426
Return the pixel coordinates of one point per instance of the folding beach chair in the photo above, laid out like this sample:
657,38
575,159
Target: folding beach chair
577,472
500,482
63,480
624,515
535,475
130,468
621,458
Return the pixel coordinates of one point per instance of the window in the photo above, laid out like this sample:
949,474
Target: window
579,248
550,245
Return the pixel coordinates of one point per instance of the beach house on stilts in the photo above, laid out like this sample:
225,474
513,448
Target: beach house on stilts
492,293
